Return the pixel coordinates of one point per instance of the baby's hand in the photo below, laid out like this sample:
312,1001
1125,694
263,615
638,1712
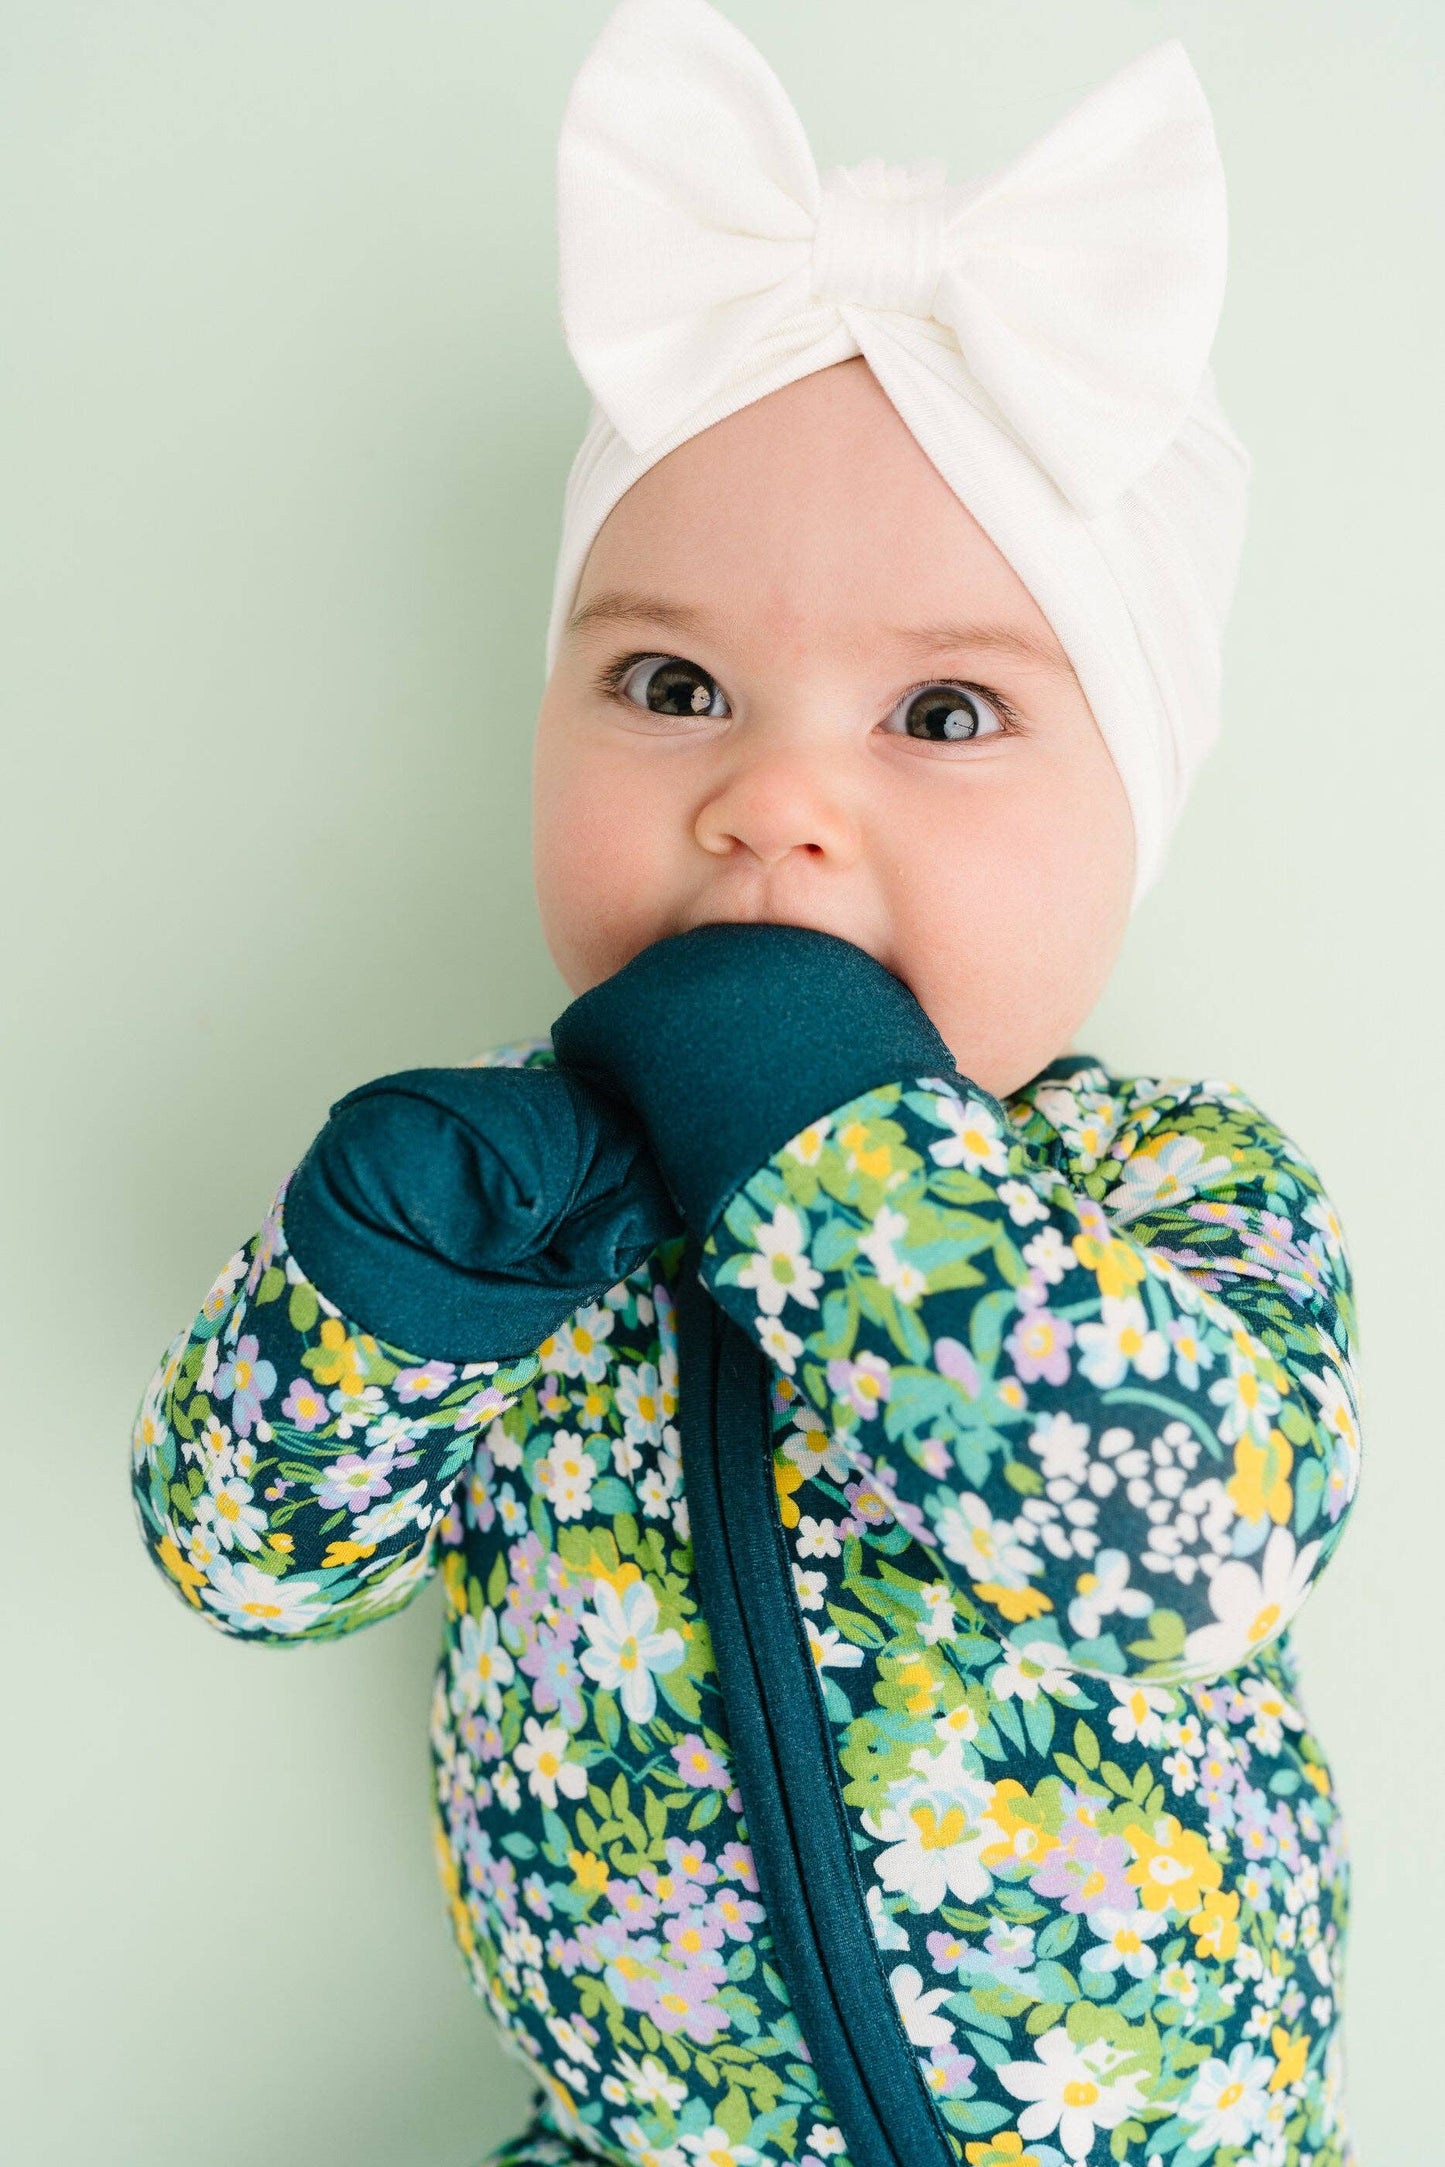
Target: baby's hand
466,1212
727,1040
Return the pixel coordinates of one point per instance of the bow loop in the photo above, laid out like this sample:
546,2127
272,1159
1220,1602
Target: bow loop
698,248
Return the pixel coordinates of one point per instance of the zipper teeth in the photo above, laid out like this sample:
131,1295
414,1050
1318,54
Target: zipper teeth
782,1750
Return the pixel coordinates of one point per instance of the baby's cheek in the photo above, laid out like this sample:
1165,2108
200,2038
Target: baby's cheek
602,865
1008,933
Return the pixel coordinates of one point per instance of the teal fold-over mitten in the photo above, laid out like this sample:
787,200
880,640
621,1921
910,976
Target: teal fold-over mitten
469,1211
1121,1405
298,1445
727,1040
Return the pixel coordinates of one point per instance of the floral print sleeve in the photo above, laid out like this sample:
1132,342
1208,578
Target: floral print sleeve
1097,1350
290,1470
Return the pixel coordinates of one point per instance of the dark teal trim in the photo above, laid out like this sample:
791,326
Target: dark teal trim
782,1752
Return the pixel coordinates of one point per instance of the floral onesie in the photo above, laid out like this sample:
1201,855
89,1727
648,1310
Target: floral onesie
1064,1425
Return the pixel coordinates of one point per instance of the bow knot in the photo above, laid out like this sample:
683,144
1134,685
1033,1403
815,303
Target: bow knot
878,243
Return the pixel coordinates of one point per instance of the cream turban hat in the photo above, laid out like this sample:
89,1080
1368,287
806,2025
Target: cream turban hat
1043,331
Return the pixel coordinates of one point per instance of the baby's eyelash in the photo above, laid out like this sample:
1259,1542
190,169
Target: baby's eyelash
613,675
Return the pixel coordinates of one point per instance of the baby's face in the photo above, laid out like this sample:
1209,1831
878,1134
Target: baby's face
801,684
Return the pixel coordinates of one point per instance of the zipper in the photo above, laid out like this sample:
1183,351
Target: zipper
798,1827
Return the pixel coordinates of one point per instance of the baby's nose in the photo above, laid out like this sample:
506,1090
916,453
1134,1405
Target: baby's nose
777,804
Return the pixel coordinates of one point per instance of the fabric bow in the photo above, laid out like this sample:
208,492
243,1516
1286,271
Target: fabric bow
1082,283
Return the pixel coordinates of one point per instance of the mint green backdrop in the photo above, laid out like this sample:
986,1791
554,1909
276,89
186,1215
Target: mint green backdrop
286,416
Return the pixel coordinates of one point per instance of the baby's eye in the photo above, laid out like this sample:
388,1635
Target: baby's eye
943,712
668,685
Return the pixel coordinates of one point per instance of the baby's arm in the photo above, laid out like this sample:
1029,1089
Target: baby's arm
297,1448
1131,1432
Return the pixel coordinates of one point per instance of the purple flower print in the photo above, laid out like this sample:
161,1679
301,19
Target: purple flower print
484,1406
355,1482
1286,1835
864,1384
633,1905
677,1886
564,1952
698,1765
246,1383
684,2000
304,1405
479,1503
953,1360
1085,1869
690,1934
871,1508
425,1383
1007,1954
953,2071
689,1859
736,1861
883,1482
1252,1809
736,1915
550,1663
1037,1346
947,1951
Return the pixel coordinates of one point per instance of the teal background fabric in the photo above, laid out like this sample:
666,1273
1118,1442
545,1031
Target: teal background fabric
285,417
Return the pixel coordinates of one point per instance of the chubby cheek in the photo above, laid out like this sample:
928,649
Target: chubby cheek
605,859
1007,934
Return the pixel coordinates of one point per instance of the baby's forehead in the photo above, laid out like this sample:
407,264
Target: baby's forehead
812,508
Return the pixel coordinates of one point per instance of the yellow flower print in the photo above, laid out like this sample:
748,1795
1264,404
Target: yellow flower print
787,1477
340,1359
1293,2052
1017,1604
181,1570
1215,1925
451,1883
347,1553
617,1576
1260,1481
1004,2150
1115,1265
589,1872
1019,1839
874,1160
1172,1865
454,1580
919,1686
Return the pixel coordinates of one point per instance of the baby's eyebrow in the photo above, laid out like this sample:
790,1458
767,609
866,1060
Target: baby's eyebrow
998,639
620,606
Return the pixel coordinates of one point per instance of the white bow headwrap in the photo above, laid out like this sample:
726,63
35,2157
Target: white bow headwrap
1044,332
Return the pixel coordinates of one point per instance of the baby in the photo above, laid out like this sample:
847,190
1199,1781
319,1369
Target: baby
873,1453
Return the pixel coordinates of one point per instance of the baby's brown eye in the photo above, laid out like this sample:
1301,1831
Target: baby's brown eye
945,712
671,686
